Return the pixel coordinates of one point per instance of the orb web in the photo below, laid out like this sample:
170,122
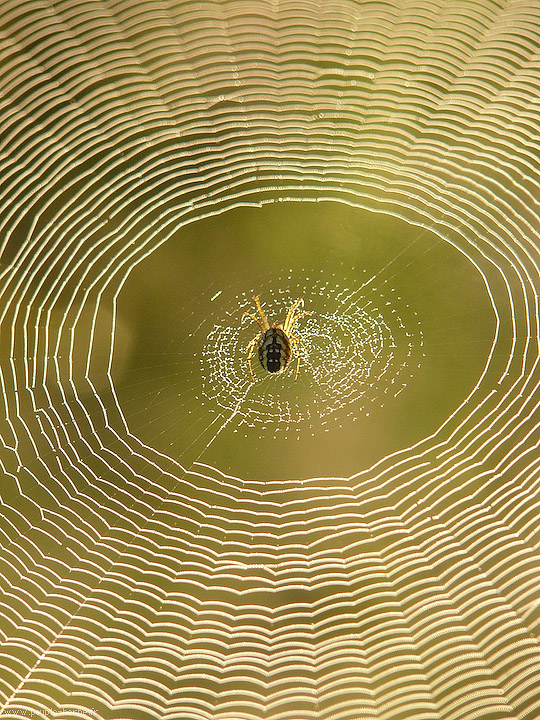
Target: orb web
134,586
355,351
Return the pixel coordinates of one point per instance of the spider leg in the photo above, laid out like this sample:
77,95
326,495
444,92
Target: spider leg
253,317
296,341
296,318
287,325
250,349
297,367
265,325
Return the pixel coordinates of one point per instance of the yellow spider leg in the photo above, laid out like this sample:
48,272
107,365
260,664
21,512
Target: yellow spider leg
296,341
250,349
297,367
256,320
265,325
296,318
287,324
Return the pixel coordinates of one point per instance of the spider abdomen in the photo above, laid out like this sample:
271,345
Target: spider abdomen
274,350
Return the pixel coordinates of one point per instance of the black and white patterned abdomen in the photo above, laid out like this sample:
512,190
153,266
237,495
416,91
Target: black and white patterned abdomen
274,350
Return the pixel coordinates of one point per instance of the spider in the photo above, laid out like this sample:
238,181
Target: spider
275,342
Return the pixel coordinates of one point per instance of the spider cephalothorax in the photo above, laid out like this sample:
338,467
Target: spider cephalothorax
275,342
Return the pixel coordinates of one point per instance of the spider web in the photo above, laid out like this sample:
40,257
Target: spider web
363,346
350,360
180,542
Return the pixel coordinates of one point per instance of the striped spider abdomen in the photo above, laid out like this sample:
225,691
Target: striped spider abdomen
274,350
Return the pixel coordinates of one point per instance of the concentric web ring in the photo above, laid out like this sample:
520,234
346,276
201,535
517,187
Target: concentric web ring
326,548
